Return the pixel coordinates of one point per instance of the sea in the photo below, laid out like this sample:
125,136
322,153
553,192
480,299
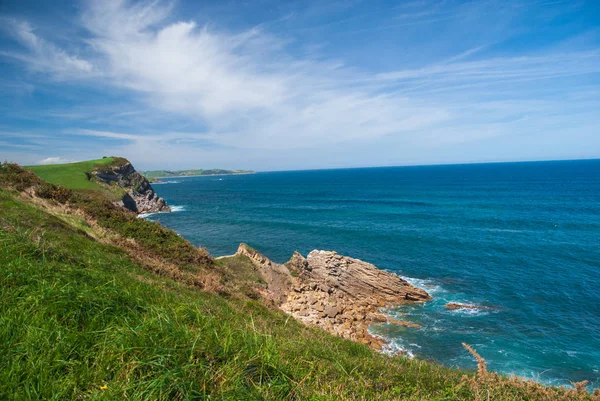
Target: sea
520,239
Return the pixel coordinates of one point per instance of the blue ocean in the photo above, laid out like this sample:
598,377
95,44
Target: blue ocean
520,238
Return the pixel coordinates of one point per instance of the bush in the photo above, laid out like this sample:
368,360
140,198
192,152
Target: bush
11,174
55,192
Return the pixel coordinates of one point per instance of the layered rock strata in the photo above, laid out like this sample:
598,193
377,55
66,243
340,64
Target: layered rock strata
337,293
139,195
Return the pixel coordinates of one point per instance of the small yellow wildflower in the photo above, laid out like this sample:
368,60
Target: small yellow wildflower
103,387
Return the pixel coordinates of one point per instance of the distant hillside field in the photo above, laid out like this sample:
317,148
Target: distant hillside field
155,174
71,175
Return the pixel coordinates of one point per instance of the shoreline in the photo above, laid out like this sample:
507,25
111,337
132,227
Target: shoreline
198,175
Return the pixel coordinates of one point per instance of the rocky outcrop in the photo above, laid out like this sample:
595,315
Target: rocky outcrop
139,195
358,280
337,293
277,277
344,295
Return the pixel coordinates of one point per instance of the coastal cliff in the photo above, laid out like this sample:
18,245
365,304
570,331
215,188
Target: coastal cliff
139,195
337,293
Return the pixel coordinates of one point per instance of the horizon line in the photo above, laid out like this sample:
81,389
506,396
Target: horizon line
435,164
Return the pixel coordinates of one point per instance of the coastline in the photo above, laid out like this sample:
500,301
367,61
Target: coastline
197,175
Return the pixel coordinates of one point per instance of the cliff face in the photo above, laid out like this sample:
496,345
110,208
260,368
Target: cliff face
139,195
337,293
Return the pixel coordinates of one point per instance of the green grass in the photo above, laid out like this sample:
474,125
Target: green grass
71,175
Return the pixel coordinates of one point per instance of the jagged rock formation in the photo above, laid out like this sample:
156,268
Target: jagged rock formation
139,195
357,280
339,294
277,277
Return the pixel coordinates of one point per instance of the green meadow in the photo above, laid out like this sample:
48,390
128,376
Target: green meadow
71,175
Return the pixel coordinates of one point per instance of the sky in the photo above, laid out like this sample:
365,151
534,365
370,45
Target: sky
280,85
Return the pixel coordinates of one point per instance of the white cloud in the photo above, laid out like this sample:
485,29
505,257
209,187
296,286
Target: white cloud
55,160
503,69
243,87
106,134
43,55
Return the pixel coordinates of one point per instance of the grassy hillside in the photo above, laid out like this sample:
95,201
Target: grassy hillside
155,174
96,304
71,175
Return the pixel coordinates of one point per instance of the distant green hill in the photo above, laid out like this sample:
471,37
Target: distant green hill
155,174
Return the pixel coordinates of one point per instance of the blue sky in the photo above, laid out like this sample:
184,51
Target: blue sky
274,85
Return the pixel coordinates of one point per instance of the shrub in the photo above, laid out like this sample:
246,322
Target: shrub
11,174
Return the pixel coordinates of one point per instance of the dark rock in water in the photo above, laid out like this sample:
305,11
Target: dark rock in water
456,305
140,196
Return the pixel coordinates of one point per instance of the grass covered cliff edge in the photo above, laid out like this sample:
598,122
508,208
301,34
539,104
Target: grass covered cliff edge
113,178
98,304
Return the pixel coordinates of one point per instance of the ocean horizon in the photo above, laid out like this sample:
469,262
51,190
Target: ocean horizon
519,238
444,164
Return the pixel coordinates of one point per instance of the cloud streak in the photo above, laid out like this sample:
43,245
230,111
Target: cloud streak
55,160
44,56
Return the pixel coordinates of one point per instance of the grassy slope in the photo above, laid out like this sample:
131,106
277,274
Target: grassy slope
80,319
70,175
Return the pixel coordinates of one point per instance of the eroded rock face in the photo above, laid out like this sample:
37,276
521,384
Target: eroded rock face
339,294
277,277
343,295
358,280
140,196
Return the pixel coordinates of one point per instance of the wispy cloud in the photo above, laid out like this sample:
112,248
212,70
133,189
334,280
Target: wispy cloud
466,54
19,145
55,160
43,55
107,134
504,69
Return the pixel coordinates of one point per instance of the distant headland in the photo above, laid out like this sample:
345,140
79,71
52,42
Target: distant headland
155,175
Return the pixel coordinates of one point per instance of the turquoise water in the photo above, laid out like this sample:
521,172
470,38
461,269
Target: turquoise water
523,238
